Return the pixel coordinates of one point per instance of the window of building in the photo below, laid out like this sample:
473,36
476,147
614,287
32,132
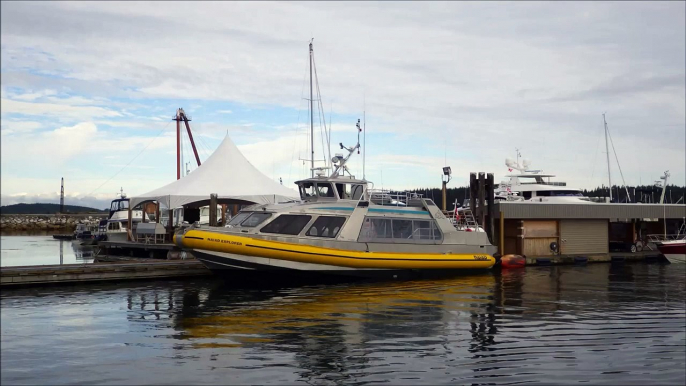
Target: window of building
287,224
325,190
326,226
255,219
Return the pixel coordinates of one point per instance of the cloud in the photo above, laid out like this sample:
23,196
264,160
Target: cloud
469,79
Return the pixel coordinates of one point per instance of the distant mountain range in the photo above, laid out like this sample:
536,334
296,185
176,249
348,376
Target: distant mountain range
45,209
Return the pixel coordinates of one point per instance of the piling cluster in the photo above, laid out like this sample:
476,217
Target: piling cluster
44,222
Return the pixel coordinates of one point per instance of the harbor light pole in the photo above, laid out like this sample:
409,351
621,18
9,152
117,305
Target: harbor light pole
445,178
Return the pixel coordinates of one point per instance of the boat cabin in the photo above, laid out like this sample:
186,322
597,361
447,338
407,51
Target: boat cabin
326,188
120,204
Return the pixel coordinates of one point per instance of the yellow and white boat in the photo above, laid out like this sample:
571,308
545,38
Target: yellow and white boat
340,227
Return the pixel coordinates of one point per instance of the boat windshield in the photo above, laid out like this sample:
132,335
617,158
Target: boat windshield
119,205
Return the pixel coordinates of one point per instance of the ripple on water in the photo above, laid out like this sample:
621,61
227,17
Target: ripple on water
595,324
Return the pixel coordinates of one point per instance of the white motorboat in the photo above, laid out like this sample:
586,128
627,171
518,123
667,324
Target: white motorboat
673,247
535,186
118,220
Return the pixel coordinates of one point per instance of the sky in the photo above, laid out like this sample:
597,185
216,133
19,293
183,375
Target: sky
89,90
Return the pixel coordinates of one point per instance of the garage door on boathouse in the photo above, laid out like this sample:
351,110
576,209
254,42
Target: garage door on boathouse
583,236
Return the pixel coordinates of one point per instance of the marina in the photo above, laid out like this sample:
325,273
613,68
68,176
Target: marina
274,238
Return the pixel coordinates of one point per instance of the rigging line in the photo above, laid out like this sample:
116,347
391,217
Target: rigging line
134,158
618,165
321,110
297,125
595,156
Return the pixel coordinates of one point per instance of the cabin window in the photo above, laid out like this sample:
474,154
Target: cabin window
307,190
526,195
287,224
402,229
357,191
422,230
255,219
237,219
343,191
399,230
376,228
326,226
325,190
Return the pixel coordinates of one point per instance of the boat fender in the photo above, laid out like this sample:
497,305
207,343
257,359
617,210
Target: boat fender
513,261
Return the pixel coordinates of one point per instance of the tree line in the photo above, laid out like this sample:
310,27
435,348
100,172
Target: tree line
643,193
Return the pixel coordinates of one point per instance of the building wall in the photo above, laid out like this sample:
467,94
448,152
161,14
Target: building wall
583,236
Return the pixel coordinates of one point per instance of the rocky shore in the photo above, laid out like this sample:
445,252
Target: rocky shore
66,223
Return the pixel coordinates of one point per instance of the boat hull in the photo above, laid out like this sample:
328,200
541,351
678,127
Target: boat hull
221,252
675,252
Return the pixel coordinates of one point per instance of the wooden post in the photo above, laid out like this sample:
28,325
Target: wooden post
213,209
170,224
490,206
157,211
234,210
444,184
223,214
144,208
482,200
472,193
502,234
129,228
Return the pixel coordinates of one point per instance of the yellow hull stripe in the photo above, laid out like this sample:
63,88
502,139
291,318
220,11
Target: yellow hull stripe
247,246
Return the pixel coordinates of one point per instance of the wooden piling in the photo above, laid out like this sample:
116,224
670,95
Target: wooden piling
482,199
129,228
501,248
490,206
213,209
472,192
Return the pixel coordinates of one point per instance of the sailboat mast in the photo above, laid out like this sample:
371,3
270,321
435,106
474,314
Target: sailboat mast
607,152
311,115
364,139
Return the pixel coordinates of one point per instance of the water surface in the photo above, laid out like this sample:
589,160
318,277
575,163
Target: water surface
42,249
600,324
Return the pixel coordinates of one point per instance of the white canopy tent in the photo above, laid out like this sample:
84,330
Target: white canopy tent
228,174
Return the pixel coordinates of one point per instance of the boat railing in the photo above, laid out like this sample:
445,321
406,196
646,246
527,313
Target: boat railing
679,235
544,183
389,198
662,237
464,220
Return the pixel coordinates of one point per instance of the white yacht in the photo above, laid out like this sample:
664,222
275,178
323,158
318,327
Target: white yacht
118,219
535,186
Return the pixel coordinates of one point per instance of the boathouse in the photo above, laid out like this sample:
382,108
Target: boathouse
547,229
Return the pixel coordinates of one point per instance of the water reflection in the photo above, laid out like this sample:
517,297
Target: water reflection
42,250
602,324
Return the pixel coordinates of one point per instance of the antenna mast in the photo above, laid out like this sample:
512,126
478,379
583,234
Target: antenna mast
62,196
364,136
607,152
311,114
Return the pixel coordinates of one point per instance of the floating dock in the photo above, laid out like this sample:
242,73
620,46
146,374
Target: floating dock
134,249
73,273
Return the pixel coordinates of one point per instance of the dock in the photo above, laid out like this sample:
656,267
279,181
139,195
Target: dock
133,249
74,273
